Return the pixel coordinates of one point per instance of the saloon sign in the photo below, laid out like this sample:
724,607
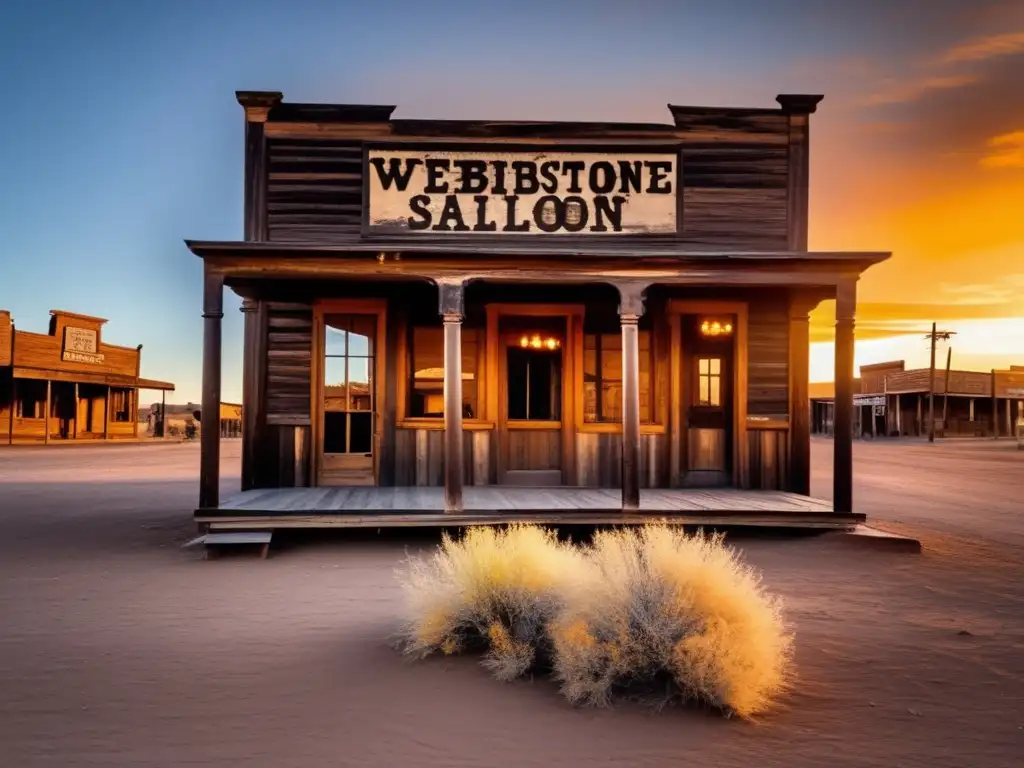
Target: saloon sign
521,193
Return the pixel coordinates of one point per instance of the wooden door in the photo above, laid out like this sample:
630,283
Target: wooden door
709,414
349,401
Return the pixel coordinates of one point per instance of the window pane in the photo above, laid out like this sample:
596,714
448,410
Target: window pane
704,366
426,364
361,330
611,401
335,391
611,364
589,401
334,340
335,432
589,364
361,439
716,366
705,388
716,390
611,341
359,374
644,342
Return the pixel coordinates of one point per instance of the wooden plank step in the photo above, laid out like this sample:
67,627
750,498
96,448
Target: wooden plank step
215,539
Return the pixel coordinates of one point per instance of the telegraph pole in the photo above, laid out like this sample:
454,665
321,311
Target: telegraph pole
935,335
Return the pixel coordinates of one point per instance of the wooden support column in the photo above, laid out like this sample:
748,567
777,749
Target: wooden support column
249,364
257,105
798,107
106,415
799,378
74,433
209,462
136,393
46,415
631,309
842,464
163,413
451,297
14,408
995,408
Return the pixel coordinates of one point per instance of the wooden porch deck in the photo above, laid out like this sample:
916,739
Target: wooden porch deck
365,506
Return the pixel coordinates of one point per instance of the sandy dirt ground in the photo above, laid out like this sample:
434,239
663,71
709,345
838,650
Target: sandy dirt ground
119,648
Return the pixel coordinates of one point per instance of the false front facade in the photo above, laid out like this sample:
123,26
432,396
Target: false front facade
468,304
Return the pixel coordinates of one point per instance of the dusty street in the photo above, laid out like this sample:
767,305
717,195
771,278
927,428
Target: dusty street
117,647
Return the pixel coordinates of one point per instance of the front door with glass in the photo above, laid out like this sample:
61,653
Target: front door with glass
349,399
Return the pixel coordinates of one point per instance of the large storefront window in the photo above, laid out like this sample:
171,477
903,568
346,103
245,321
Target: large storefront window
426,371
602,377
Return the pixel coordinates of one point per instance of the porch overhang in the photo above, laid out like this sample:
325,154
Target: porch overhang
659,261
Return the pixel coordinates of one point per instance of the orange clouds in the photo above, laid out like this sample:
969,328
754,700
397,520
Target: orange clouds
980,49
1007,151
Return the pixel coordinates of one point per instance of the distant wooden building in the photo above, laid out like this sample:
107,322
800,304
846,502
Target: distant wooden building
68,384
480,307
892,401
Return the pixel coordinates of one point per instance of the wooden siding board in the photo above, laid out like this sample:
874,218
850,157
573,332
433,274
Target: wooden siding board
289,363
768,358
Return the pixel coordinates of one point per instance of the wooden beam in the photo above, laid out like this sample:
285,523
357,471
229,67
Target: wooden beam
799,417
631,309
451,296
209,462
46,416
842,469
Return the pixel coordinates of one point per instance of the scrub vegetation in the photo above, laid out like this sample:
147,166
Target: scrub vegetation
648,612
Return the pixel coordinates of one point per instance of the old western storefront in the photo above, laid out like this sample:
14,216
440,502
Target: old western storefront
68,384
474,305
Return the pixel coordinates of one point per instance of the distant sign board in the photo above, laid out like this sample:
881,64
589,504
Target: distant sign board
873,400
521,193
81,345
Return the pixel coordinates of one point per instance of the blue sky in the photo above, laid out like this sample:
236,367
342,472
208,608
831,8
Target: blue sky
121,136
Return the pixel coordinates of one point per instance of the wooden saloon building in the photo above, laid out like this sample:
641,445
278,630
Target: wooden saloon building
68,384
456,318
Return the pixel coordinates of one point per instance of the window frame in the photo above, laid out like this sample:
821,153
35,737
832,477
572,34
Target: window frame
648,419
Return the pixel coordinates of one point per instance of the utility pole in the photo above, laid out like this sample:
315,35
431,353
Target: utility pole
934,336
945,390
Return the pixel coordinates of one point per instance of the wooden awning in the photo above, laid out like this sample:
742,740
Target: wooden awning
107,379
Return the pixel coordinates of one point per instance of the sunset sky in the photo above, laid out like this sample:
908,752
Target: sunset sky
121,137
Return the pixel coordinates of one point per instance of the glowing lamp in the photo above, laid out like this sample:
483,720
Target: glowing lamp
536,342
715,328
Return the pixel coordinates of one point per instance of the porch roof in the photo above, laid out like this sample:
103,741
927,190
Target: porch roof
645,251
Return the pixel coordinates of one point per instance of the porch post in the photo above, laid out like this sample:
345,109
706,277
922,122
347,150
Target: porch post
249,362
46,416
451,296
106,415
14,409
631,308
163,413
799,377
842,465
75,433
209,461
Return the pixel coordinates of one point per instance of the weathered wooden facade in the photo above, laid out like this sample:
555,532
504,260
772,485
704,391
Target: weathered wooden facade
526,304
67,384
890,401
